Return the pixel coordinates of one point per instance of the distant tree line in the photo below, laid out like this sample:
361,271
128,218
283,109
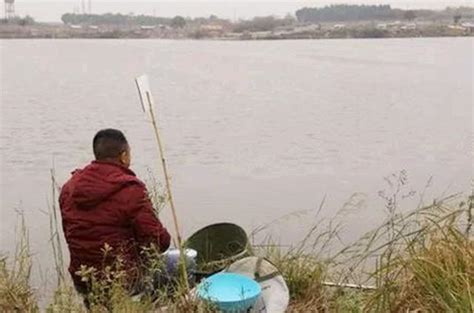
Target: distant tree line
17,20
122,19
353,13
140,20
344,12
213,19
260,24
332,13
448,14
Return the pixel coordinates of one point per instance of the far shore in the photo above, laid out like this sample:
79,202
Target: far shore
311,31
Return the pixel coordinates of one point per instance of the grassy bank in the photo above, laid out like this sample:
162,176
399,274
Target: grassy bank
421,261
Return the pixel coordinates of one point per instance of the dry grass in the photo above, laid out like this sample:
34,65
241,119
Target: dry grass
428,265
304,276
16,295
439,276
424,262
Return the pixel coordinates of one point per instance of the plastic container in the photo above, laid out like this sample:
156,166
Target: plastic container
218,246
173,259
229,292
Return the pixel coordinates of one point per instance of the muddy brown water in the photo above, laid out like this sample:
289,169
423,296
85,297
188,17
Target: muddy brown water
253,130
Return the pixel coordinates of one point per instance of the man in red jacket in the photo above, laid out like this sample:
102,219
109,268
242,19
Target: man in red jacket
106,205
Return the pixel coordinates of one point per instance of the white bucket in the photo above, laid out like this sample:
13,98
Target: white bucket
275,294
173,257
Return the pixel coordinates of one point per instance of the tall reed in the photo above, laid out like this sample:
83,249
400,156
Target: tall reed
16,293
419,261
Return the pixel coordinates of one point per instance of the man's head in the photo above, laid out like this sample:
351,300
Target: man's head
111,145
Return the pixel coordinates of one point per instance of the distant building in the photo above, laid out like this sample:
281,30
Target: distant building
212,27
456,27
468,26
212,30
163,27
411,26
395,24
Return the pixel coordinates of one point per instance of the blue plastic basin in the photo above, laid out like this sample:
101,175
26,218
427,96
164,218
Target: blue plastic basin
229,292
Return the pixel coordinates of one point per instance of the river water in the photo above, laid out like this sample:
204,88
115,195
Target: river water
253,130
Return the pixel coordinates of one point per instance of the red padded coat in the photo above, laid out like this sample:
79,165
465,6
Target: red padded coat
105,203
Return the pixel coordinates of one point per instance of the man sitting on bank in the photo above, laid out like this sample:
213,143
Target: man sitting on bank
106,205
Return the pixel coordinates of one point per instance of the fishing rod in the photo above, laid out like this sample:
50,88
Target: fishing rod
146,101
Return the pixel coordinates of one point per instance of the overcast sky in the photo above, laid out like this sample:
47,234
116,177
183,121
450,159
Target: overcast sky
51,11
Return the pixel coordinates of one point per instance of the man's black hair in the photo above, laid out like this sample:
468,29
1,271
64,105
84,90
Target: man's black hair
109,144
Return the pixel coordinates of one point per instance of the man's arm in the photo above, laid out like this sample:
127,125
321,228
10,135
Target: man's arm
146,226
